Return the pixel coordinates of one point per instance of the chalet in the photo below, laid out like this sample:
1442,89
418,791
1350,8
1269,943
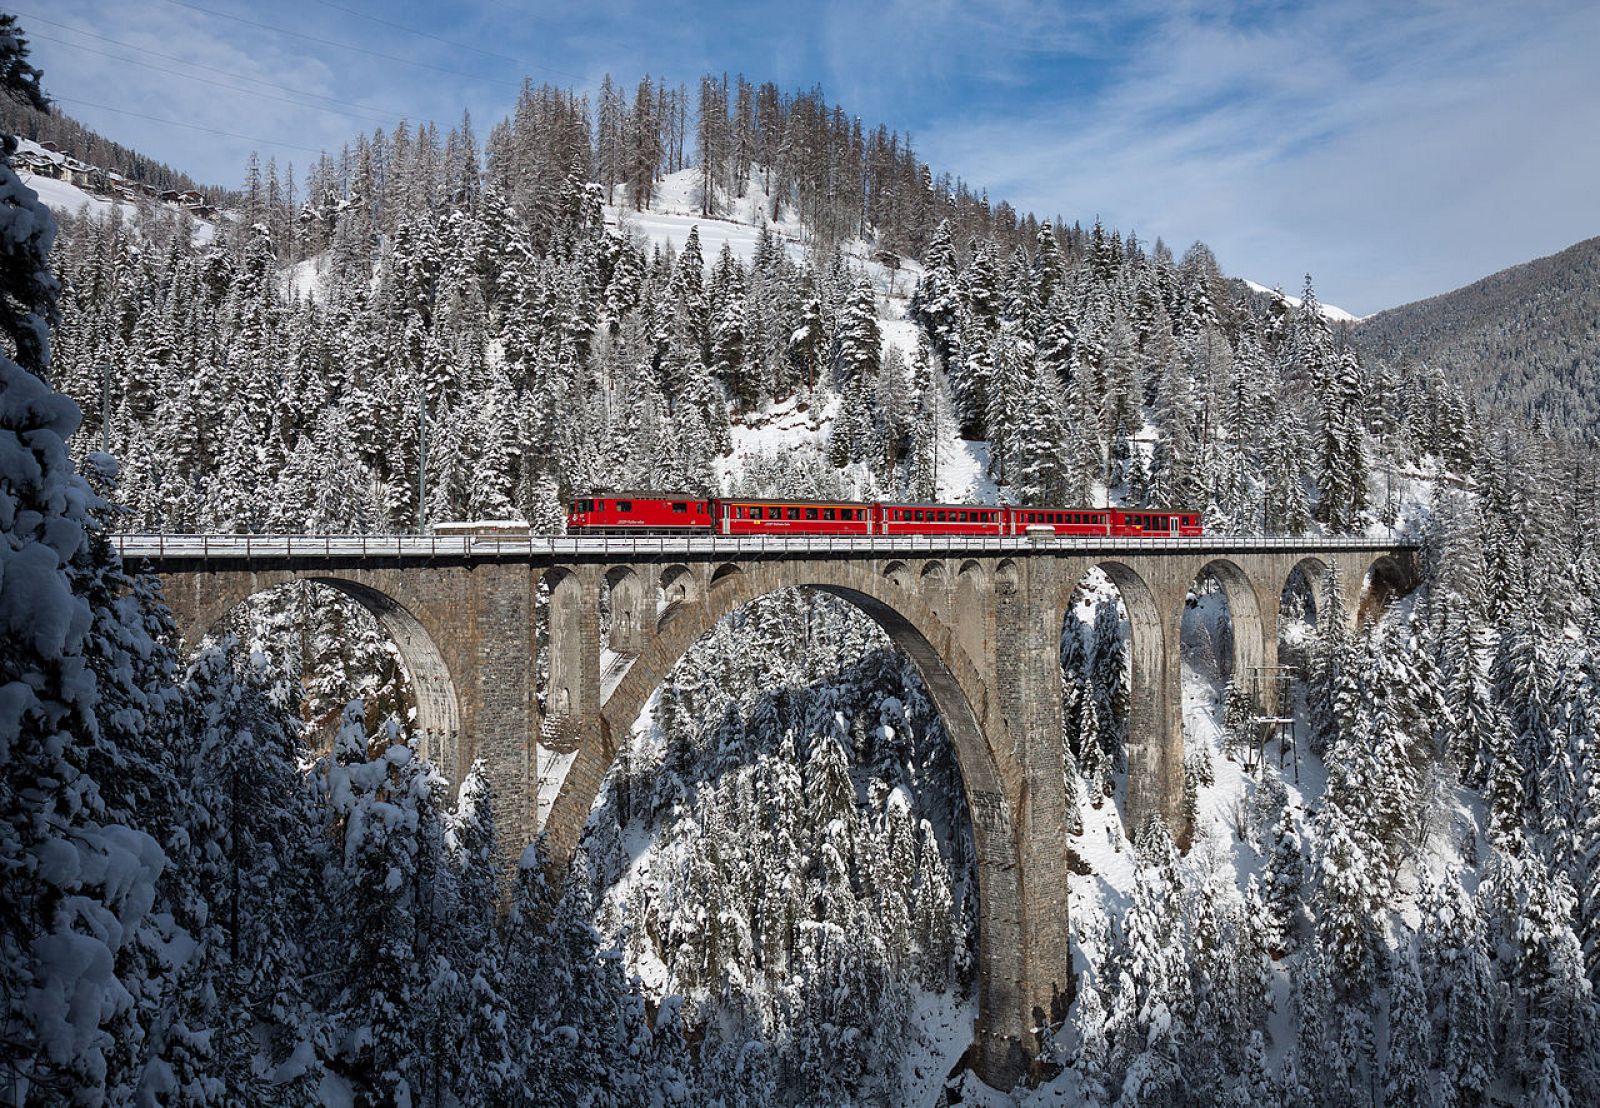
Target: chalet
77,173
39,164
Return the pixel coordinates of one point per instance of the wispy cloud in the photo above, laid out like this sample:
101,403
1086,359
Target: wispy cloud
1393,155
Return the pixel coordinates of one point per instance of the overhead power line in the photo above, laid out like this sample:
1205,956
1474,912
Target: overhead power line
342,45
216,84
380,21
181,123
524,62
387,112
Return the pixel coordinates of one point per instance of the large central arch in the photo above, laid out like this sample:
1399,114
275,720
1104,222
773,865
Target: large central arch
992,778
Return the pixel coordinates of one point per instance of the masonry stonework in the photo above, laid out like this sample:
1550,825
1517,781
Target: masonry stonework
982,626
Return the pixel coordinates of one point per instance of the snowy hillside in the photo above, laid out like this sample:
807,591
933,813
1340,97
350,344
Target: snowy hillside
675,209
65,197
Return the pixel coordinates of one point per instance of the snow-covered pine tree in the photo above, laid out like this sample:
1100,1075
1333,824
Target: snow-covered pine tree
76,883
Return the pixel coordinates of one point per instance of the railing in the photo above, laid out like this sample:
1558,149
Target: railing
416,547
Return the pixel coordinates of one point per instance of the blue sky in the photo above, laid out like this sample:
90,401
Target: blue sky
1394,150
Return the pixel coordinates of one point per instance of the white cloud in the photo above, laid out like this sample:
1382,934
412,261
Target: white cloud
1394,156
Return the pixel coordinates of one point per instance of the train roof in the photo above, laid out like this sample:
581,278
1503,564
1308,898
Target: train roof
839,503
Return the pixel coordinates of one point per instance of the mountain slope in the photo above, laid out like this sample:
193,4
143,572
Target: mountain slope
1527,338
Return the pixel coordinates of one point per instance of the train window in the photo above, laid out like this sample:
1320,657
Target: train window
811,513
624,505
738,513
829,513
940,517
791,513
678,506
918,516
755,512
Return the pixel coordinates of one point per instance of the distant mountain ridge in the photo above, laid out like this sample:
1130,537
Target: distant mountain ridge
1526,338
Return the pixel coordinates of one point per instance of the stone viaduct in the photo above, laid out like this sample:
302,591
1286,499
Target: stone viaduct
476,620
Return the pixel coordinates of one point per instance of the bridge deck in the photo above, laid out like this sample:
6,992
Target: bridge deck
497,548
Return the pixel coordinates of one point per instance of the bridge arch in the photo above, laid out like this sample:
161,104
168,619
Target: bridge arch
1248,612
1385,579
1308,576
438,719
993,779
676,587
1154,753
623,611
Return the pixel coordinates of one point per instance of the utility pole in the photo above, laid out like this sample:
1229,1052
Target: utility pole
422,460
105,406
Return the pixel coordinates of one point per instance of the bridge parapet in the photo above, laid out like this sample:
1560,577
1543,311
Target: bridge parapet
183,549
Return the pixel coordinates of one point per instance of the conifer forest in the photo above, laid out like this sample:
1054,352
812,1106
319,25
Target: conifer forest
228,875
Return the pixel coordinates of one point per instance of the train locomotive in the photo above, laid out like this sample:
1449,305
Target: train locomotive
654,513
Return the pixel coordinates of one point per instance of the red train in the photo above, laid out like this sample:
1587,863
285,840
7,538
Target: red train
655,514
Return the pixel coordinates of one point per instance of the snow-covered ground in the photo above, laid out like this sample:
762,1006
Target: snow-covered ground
675,210
945,1026
305,279
1329,312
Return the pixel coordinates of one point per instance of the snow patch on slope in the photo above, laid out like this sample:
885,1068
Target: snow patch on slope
675,210
1329,312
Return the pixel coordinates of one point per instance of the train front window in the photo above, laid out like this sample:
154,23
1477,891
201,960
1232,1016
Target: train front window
624,505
